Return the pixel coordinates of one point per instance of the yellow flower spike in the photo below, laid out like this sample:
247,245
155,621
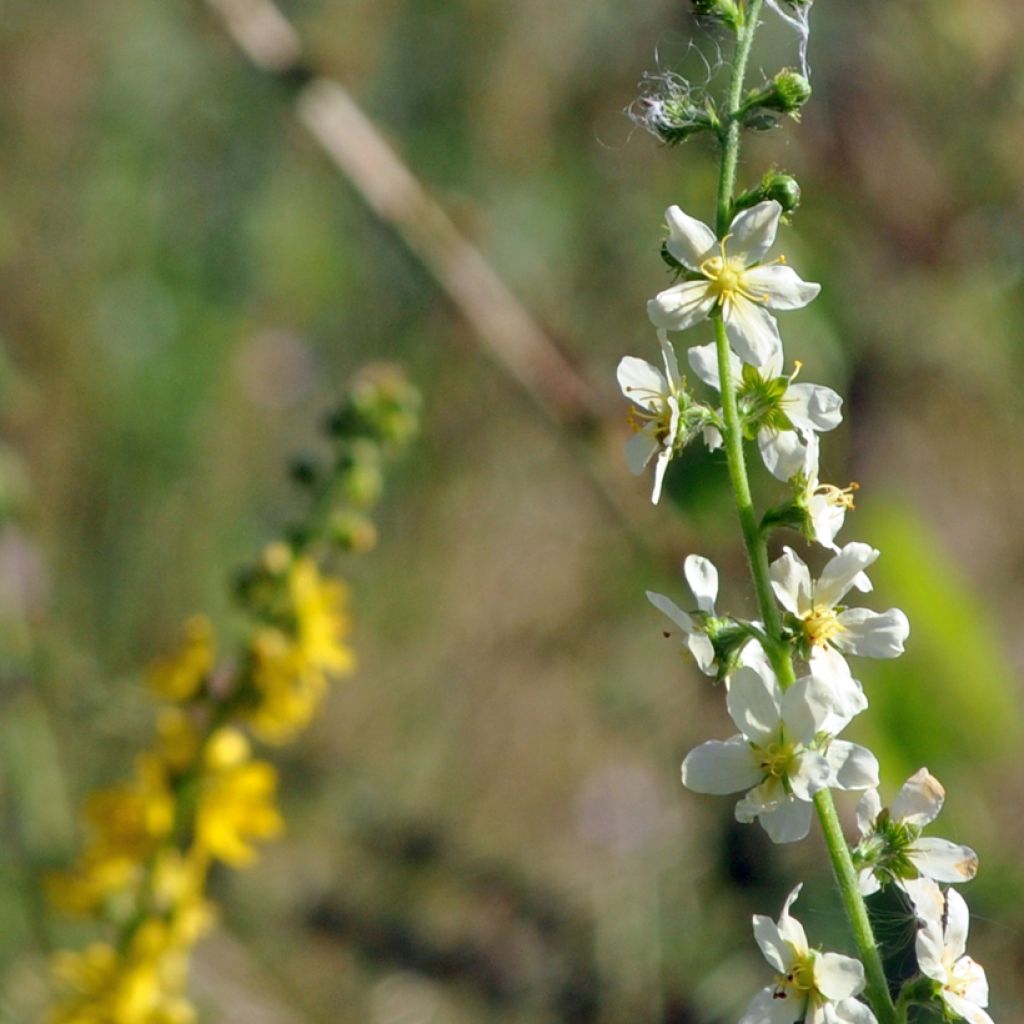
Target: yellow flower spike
179,677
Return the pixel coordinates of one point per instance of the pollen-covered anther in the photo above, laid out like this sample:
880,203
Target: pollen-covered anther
726,274
839,497
821,625
777,760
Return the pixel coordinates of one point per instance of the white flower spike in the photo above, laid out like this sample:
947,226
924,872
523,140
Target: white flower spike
941,956
733,278
892,848
657,415
702,577
772,757
789,416
811,986
828,629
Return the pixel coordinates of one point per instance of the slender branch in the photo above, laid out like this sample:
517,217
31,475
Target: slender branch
876,988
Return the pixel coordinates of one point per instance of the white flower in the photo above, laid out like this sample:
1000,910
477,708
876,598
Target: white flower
812,987
830,630
702,577
891,846
788,416
657,420
733,278
772,756
940,955
825,504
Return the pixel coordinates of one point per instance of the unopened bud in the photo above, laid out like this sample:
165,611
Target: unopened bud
790,91
352,532
361,478
777,185
724,10
382,406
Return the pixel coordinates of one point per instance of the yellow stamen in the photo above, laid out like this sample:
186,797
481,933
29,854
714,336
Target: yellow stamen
839,497
821,625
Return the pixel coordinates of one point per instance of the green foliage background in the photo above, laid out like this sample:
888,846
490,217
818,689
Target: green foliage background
486,823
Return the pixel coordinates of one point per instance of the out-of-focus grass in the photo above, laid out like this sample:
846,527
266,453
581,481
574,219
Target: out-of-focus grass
183,284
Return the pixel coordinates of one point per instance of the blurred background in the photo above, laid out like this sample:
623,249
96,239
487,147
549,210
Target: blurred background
486,823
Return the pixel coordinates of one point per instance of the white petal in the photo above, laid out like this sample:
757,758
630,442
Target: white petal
660,467
853,1011
703,652
839,697
770,940
868,809
805,705
962,1007
781,286
640,449
789,822
718,767
929,951
752,330
826,520
784,452
753,704
853,766
689,240
813,407
681,306
668,355
828,664
929,904
867,883
713,438
642,383
703,579
838,976
668,607
811,773
752,232
942,860
873,634
791,930
957,920
919,800
841,573
703,360
969,978
769,1007
791,581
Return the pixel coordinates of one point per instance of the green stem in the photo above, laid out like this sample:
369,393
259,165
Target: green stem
876,988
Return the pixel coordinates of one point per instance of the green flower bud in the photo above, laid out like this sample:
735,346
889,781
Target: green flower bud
382,406
790,92
352,533
361,478
724,10
777,185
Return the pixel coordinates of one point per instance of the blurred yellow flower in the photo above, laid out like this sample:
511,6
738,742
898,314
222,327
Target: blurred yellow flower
179,676
290,670
236,801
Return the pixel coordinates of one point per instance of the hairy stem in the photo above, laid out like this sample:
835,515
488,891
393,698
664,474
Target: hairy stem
876,988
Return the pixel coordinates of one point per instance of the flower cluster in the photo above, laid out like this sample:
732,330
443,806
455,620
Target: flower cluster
199,796
789,677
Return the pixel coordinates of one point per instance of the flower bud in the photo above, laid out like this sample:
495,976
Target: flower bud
382,406
352,532
724,10
790,91
777,185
